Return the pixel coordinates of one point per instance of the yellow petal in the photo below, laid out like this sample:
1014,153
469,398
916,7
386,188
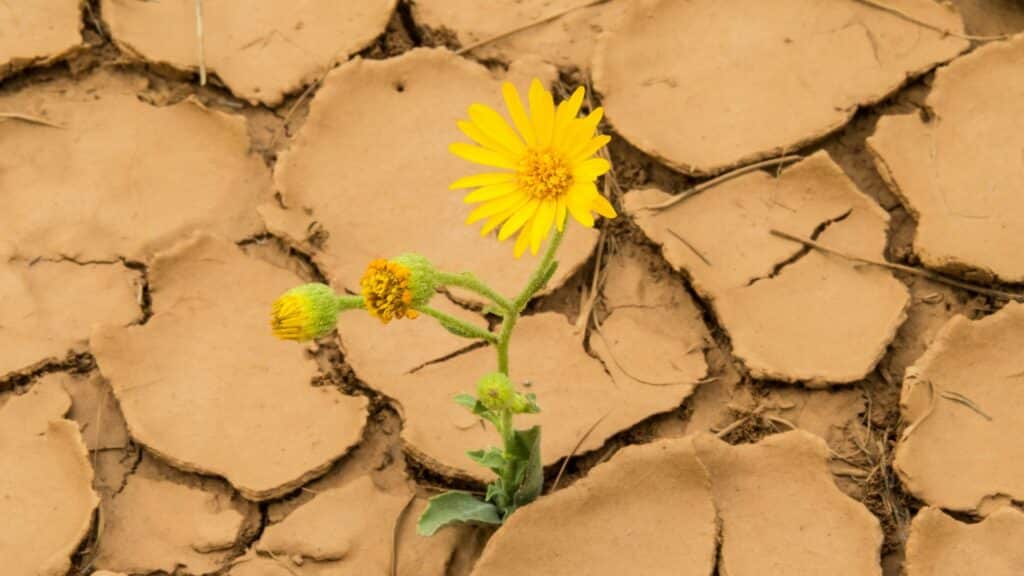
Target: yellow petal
583,130
560,212
523,240
542,112
588,170
496,220
486,179
491,192
590,148
482,138
567,110
481,155
516,221
493,125
518,113
496,206
602,206
578,202
542,225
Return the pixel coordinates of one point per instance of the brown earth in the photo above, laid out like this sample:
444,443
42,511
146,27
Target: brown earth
716,399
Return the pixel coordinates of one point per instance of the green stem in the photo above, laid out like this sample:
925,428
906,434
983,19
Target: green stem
537,281
470,282
459,327
349,302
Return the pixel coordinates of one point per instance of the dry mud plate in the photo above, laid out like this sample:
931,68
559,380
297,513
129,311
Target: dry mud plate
941,546
117,178
261,52
791,314
45,462
959,454
751,79
226,410
38,32
964,188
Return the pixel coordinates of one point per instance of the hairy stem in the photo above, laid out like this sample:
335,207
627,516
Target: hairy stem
470,282
537,281
459,327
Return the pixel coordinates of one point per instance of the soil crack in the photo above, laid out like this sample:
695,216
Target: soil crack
818,231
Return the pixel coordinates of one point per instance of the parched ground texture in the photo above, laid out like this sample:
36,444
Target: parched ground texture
795,353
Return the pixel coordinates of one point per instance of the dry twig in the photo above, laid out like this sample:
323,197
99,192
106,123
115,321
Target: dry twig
965,401
587,306
901,14
692,248
933,276
720,179
565,463
200,42
527,26
29,119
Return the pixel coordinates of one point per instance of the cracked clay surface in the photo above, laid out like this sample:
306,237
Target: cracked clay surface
716,400
201,385
120,178
37,32
752,79
44,461
261,51
791,314
960,171
962,401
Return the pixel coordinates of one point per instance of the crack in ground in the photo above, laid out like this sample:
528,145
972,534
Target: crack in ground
803,251
73,363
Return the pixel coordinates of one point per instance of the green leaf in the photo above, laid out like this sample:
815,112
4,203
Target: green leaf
466,400
494,491
463,329
530,475
531,404
492,458
452,507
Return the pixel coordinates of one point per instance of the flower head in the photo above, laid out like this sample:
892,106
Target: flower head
304,312
395,288
496,392
547,163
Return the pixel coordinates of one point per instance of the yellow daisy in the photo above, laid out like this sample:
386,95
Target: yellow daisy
547,163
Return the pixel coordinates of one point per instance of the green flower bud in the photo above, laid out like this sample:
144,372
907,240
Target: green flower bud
422,277
305,312
496,392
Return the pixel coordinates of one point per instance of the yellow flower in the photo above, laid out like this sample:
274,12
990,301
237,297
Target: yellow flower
305,312
548,166
394,288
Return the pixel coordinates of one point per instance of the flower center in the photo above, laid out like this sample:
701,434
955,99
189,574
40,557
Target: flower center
385,288
544,174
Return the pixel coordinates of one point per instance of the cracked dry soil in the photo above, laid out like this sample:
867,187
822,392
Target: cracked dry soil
717,399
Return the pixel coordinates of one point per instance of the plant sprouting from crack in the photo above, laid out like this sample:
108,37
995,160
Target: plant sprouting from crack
544,169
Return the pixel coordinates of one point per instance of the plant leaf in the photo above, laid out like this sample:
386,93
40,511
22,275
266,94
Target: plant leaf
452,507
494,491
466,400
531,404
530,477
492,458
